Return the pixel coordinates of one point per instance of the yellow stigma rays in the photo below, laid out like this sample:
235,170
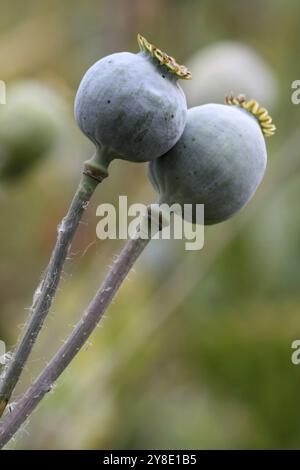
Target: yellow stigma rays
261,114
164,59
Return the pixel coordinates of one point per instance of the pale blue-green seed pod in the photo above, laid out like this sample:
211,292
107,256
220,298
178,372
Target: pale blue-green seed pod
219,160
132,104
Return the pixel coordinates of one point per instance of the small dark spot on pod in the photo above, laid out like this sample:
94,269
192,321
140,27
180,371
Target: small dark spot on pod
108,101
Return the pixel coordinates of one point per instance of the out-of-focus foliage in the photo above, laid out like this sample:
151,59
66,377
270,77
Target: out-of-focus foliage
196,349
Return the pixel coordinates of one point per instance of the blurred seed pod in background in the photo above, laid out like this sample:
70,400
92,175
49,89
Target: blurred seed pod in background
226,67
30,125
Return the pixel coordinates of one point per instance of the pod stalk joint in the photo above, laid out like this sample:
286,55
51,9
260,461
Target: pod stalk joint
96,167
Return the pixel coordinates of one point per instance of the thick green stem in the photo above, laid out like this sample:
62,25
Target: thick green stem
76,340
94,172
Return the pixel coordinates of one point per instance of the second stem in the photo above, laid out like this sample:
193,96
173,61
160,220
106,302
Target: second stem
76,339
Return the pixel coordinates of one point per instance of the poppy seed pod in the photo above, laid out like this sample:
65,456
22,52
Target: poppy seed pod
231,66
219,161
132,104
30,124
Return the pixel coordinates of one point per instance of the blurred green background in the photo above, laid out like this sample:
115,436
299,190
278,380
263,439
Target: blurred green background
196,351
